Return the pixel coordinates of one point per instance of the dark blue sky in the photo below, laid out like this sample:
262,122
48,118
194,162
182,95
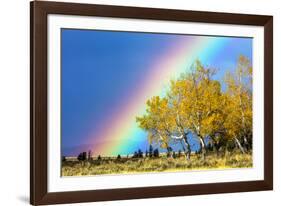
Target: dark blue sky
93,64
98,67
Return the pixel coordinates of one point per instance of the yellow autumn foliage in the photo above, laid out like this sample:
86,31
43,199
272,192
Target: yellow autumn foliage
197,104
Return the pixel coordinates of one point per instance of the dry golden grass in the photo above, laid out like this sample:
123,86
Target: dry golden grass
161,164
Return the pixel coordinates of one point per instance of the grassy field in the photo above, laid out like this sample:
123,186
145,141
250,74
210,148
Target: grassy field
161,164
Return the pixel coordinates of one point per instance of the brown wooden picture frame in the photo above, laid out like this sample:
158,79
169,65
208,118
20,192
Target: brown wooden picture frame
38,102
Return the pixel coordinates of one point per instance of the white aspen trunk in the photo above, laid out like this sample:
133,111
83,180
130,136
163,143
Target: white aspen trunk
242,113
239,145
188,150
203,147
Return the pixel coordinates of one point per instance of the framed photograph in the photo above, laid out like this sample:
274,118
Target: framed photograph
131,102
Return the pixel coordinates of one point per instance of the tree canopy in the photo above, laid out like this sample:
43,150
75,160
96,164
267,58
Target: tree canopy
197,104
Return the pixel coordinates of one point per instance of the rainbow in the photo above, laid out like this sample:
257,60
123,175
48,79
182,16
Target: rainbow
120,131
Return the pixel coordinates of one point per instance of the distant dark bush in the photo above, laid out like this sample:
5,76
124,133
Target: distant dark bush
169,151
135,155
63,158
90,155
119,157
99,157
174,155
179,153
82,156
140,154
146,153
156,153
150,152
